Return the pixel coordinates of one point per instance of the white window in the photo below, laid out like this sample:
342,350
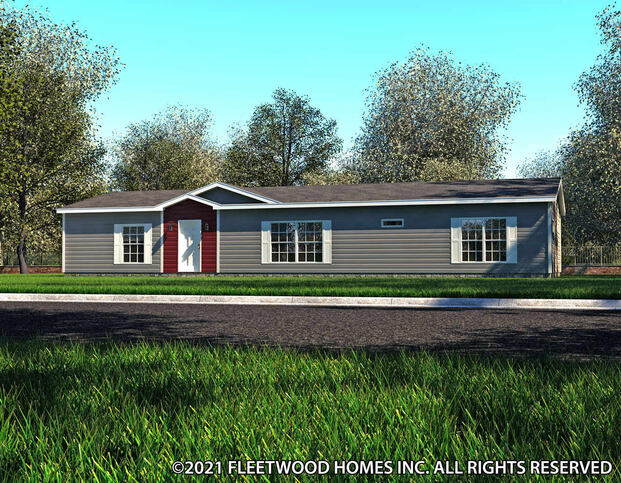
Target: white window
484,240
296,241
132,243
392,223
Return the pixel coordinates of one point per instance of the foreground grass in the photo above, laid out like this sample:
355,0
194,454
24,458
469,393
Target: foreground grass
607,287
126,412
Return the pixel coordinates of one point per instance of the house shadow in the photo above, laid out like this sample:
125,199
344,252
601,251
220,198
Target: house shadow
571,334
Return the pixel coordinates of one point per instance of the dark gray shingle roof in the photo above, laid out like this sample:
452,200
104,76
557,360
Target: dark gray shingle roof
500,188
413,191
120,199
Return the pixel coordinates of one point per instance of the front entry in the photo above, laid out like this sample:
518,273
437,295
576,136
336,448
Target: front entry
189,246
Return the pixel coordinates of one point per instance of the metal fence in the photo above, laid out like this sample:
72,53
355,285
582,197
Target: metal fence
33,259
592,255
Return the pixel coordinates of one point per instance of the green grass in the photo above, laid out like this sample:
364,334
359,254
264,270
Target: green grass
126,412
607,287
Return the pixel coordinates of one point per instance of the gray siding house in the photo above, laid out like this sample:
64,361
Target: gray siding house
491,227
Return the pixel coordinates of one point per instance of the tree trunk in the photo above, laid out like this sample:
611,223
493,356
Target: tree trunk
21,247
21,255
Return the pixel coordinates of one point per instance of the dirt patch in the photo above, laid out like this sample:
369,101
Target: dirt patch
586,270
41,269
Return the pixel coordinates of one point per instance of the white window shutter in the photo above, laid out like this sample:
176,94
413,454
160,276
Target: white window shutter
455,240
148,243
326,236
266,243
511,239
118,244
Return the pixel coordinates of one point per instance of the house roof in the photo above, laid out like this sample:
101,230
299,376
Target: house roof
412,191
118,199
516,190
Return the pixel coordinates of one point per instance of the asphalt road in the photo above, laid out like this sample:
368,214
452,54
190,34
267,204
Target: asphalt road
572,334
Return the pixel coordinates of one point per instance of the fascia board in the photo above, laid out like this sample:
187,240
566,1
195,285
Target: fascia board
353,204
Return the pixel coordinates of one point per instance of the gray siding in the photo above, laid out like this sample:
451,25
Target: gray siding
359,245
89,242
224,197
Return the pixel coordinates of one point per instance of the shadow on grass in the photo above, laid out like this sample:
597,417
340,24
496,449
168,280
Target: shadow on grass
568,334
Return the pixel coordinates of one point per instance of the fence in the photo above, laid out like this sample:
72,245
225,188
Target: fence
592,255
33,259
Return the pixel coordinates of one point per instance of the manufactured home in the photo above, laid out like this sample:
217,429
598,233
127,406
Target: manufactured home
489,227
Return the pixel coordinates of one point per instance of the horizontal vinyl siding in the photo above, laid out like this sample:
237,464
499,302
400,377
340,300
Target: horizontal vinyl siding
89,242
359,245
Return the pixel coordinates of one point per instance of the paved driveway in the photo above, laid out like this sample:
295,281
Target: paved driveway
574,334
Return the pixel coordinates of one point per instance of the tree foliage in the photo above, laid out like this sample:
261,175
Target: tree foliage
433,119
545,164
48,154
282,143
173,150
590,159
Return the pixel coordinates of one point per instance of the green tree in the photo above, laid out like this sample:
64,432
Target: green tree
9,96
590,160
432,119
283,142
173,150
592,156
545,164
48,153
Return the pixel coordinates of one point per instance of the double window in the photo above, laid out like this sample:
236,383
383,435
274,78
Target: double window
296,241
484,240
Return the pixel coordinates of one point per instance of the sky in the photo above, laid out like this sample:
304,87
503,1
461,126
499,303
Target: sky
229,57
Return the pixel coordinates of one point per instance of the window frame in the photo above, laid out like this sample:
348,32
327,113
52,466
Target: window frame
119,246
326,242
383,220
483,220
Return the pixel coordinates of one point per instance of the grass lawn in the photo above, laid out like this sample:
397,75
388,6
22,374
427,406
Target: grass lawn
126,412
606,287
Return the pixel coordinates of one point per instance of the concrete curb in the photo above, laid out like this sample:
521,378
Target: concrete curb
400,302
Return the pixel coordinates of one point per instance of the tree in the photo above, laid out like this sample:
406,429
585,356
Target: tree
173,150
590,160
9,95
432,119
592,156
283,141
545,164
48,153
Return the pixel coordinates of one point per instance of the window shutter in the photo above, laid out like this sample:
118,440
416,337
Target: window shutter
455,240
118,243
511,239
266,249
148,243
326,237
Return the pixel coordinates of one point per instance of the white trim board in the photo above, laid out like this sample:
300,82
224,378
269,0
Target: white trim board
63,246
331,204
549,253
233,189
352,204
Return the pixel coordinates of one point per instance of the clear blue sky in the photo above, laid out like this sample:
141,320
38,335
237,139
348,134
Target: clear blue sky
230,56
